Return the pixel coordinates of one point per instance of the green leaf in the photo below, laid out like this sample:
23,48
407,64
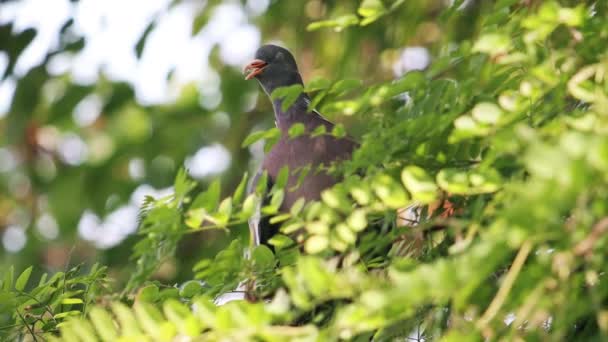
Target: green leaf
390,191
470,182
104,325
280,218
68,301
139,46
183,319
65,314
317,227
493,44
153,322
253,137
317,83
297,206
263,258
224,211
573,17
371,10
199,22
410,81
357,220
195,217
23,278
182,184
344,86
271,136
209,199
336,198
280,241
338,24
275,202
338,131
318,131
262,184
239,192
487,113
296,130
420,185
292,227
190,289
316,244
361,192
126,319
148,293
467,127
249,206
346,234
288,95
7,284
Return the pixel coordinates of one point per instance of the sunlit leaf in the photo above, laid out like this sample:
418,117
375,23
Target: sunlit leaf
296,130
287,95
338,23
23,279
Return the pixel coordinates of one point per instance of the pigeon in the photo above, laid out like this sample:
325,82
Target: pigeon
275,67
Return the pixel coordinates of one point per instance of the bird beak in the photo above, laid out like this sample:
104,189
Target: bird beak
254,68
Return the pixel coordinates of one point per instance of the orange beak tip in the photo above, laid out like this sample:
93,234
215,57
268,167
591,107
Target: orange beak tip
254,68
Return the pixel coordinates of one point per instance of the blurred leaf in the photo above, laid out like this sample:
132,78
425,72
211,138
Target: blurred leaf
288,95
487,113
182,184
271,135
239,192
68,301
338,131
316,244
103,323
493,44
23,279
296,130
148,293
344,86
337,24
190,289
420,185
371,10
389,191
139,46
7,284
281,179
469,182
315,84
14,45
263,258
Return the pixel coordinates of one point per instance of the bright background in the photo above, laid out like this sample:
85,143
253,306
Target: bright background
101,102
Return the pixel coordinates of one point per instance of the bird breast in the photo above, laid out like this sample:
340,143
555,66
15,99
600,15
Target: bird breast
306,152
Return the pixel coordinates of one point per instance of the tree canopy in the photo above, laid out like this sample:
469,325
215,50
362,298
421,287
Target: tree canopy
475,207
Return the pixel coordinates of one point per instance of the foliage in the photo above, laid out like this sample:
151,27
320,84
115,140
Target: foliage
500,146
45,307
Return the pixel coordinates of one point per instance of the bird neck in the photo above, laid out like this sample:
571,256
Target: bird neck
295,113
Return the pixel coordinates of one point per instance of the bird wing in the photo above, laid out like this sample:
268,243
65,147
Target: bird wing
255,220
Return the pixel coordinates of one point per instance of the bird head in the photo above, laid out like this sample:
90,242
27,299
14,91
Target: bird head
273,67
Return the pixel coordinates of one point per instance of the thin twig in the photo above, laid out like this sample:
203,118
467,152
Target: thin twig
586,246
45,306
27,326
506,286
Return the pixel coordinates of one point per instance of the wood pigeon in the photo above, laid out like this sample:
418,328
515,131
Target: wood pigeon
275,67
